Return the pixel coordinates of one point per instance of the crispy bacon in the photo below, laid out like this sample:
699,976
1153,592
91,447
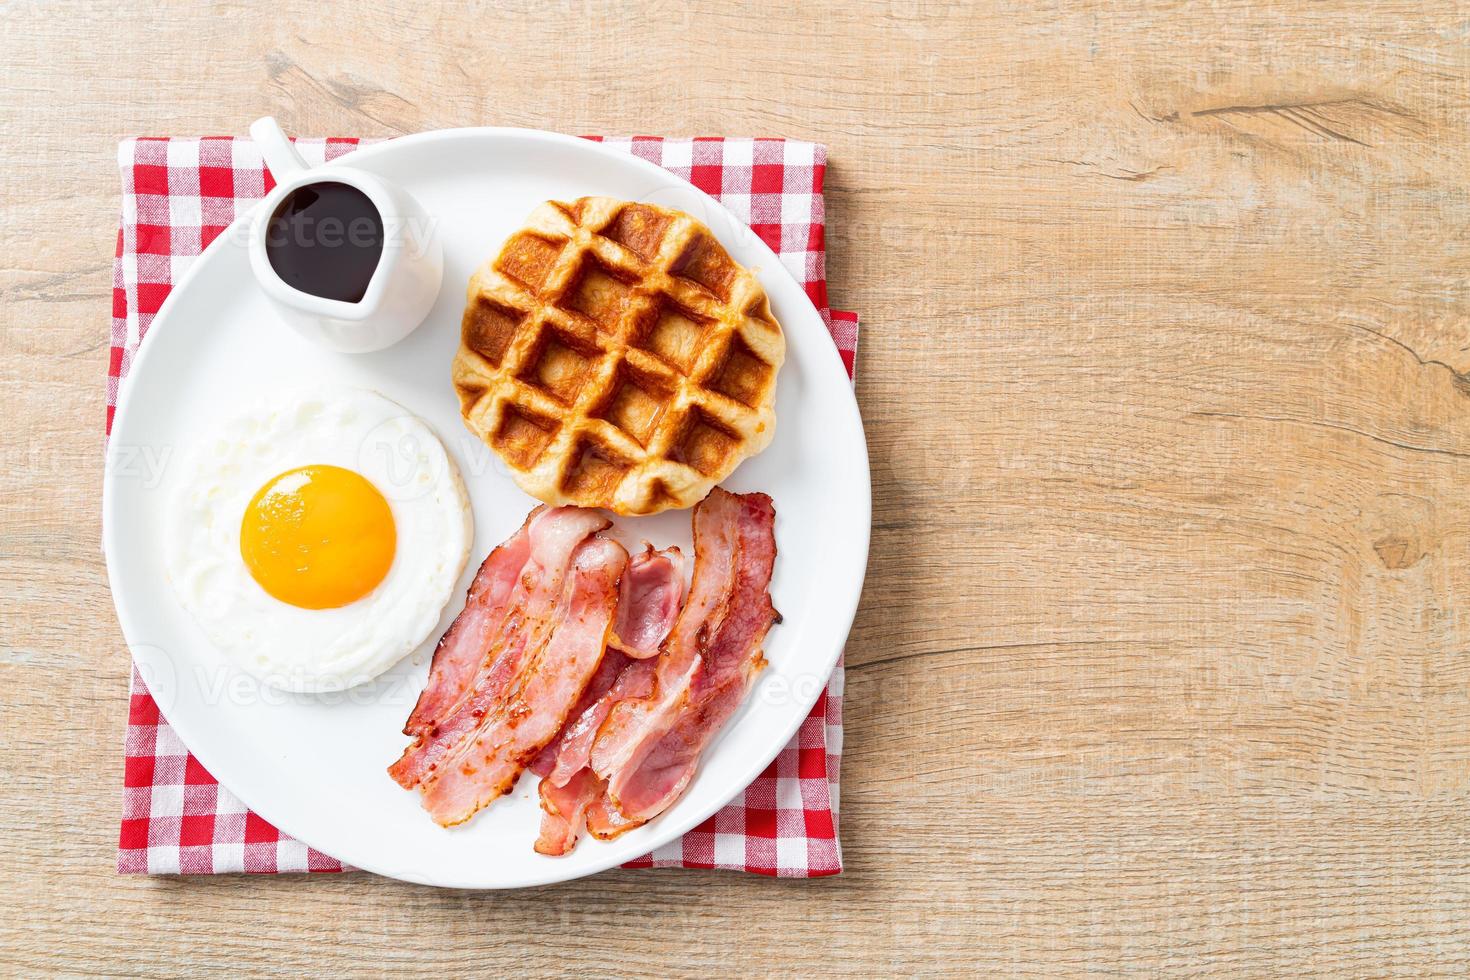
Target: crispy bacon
568,784
667,769
461,651
632,727
652,595
575,753
660,586
530,713
654,744
525,626
563,807
605,821
551,663
613,662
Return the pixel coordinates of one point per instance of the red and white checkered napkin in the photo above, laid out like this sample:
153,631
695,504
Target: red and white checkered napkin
178,194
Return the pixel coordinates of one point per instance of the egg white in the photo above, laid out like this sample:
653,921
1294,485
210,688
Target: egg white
315,650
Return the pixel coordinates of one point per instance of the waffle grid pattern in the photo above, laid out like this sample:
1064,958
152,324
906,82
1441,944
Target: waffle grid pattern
181,193
615,356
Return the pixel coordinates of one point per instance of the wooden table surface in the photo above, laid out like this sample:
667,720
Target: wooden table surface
1162,660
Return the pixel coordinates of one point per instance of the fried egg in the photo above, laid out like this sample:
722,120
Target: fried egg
317,537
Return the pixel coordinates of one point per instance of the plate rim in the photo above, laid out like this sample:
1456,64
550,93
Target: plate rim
846,605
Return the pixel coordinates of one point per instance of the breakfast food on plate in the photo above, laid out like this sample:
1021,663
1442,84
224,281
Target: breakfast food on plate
647,748
534,674
651,597
533,647
614,355
317,537
568,787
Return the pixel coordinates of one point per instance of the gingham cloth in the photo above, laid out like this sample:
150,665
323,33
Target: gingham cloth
178,195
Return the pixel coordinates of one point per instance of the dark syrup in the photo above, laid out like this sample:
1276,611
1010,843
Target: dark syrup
326,239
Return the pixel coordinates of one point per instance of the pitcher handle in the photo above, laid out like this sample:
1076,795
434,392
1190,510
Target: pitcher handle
280,156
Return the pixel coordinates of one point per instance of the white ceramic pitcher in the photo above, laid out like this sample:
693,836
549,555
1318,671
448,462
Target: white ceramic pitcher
405,283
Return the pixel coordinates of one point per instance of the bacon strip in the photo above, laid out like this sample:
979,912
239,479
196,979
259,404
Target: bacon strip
667,770
461,650
552,537
652,595
485,765
659,586
613,662
568,784
633,727
605,821
563,808
664,735
634,683
551,662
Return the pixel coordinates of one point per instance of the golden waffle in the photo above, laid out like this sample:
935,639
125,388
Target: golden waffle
614,355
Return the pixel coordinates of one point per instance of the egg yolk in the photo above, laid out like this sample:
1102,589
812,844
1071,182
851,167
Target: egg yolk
318,537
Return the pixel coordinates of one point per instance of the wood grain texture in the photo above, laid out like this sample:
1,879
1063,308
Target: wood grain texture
1162,660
